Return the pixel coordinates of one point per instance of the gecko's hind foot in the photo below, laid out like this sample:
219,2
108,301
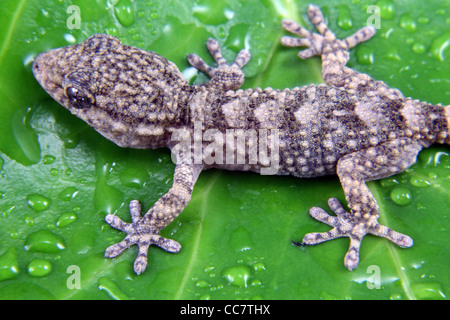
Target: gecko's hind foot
140,232
224,76
346,224
325,40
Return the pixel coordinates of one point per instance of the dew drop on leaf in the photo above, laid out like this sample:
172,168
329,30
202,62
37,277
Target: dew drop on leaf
9,266
401,196
44,241
38,202
39,268
238,276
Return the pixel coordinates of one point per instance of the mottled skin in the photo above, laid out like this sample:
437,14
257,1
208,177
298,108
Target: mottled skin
352,126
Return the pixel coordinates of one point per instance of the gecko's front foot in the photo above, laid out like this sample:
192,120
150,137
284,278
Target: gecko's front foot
349,225
140,232
325,41
225,76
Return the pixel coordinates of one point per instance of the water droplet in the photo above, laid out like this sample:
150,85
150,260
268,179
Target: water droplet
7,212
124,12
106,198
236,37
419,47
387,9
344,20
29,221
256,283
9,266
39,268
69,38
134,177
70,141
423,20
392,54
395,296
441,11
364,55
240,239
419,181
328,296
141,13
237,276
259,266
202,284
112,31
421,206
401,196
44,241
209,268
111,289
65,219
154,15
407,23
48,159
439,159
68,193
14,234
28,61
38,202
26,137
53,172
212,14
439,45
222,32
428,291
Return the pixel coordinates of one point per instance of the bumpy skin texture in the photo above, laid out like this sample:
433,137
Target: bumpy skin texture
352,126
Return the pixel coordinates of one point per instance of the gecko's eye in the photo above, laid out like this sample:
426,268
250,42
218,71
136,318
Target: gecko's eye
78,99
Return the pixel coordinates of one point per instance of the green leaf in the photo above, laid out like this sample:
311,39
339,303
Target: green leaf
59,178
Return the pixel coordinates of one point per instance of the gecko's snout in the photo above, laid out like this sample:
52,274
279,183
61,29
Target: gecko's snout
48,73
39,68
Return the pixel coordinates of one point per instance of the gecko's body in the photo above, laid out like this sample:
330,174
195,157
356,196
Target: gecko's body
352,126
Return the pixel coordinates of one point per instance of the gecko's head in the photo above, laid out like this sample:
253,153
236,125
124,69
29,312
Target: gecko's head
127,94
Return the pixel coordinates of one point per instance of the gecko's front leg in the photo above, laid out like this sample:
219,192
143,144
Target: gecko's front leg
225,76
144,230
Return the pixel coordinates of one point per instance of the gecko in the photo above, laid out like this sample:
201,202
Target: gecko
351,126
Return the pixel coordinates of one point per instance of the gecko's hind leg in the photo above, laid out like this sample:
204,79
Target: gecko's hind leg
354,170
345,225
